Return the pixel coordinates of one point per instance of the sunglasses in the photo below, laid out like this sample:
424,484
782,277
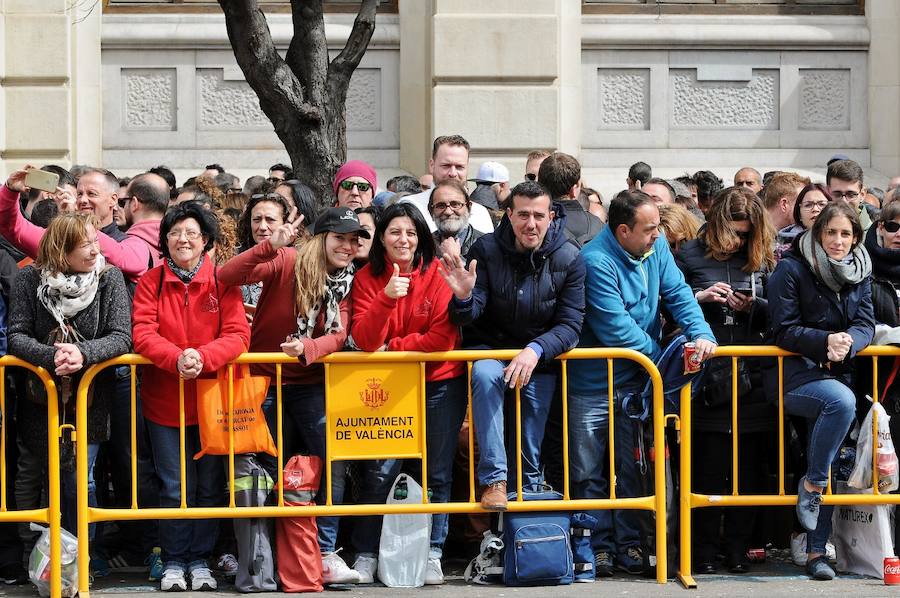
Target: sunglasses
743,236
349,185
531,176
892,226
267,196
123,201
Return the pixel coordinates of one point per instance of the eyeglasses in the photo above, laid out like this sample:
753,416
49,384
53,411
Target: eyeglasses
845,194
348,185
453,205
190,235
266,196
123,201
232,191
809,205
531,176
892,226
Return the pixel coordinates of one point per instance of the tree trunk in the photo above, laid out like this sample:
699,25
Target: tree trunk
304,94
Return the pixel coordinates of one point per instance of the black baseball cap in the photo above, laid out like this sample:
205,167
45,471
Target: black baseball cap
339,220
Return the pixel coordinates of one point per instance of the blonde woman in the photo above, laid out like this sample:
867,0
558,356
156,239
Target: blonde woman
304,310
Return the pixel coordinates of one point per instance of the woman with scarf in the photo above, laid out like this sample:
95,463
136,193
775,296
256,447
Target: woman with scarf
188,322
400,303
810,202
69,310
304,310
820,306
727,267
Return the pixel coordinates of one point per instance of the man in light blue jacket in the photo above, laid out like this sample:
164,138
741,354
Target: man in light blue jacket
630,272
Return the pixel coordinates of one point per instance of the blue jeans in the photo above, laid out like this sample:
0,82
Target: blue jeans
186,543
303,409
829,407
445,409
70,494
488,400
617,530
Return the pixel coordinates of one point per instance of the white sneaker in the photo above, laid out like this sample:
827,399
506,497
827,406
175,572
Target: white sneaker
434,576
173,580
335,570
830,553
202,580
227,564
366,566
798,549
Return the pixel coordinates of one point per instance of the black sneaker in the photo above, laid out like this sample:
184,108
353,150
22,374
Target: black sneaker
603,564
631,561
13,575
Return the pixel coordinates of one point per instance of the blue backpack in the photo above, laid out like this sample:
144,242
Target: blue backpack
536,545
639,405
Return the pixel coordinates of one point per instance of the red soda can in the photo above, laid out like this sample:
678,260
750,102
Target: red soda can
756,555
891,571
692,362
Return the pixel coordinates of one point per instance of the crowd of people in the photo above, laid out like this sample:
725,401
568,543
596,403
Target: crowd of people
192,276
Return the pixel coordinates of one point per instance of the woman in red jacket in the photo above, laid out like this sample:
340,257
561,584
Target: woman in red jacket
189,323
400,303
305,297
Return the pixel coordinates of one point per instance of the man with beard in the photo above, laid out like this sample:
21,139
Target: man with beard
449,205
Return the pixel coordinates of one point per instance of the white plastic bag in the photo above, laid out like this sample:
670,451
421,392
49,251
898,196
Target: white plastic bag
405,539
861,476
863,535
39,562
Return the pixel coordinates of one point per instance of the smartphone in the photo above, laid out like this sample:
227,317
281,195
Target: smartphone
41,179
747,292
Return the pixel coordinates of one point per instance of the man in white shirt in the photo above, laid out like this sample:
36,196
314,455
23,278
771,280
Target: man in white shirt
449,161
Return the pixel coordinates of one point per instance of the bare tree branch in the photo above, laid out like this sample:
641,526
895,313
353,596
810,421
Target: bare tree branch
307,55
281,96
341,68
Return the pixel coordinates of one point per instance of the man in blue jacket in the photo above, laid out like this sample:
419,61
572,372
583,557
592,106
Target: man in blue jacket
630,272
528,294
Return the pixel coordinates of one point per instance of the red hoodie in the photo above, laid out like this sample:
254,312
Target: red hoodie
166,322
418,322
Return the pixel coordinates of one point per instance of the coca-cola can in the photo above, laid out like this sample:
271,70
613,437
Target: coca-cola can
891,571
692,362
756,555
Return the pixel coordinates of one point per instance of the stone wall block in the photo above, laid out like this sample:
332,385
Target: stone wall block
480,7
37,46
34,6
37,119
501,47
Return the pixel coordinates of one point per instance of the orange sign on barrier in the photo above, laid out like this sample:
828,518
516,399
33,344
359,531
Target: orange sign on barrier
374,410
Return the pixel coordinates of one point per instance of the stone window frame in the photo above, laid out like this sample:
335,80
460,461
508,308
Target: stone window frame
211,6
721,7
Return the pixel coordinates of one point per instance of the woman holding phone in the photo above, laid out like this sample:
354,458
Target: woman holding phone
727,266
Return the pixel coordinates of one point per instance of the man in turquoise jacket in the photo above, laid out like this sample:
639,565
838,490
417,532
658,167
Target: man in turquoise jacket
630,272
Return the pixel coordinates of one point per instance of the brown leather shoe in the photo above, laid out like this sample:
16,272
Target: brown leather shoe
493,498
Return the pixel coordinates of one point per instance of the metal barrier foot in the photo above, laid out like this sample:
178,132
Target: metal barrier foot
687,581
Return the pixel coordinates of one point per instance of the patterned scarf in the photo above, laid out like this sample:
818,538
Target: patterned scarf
186,276
337,286
835,274
65,295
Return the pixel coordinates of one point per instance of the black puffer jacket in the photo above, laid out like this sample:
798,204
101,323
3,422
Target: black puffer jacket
885,279
535,296
730,328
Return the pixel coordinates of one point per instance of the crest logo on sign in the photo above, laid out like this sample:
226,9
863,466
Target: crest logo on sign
374,396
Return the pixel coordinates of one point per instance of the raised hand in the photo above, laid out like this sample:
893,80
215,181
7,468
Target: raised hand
285,234
65,199
397,286
16,180
460,279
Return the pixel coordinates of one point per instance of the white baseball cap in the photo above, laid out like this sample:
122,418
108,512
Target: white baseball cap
492,172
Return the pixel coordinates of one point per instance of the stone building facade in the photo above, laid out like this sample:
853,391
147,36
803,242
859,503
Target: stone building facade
678,83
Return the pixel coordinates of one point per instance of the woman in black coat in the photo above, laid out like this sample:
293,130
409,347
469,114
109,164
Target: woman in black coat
820,306
727,267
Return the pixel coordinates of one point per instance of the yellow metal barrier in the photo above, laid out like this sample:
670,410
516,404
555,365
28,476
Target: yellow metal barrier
688,500
655,503
52,514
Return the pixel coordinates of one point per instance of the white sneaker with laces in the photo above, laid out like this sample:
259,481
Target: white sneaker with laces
366,566
798,549
173,580
202,580
227,564
335,570
434,575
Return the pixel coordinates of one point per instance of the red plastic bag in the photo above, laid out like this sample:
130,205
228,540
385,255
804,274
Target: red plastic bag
297,542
